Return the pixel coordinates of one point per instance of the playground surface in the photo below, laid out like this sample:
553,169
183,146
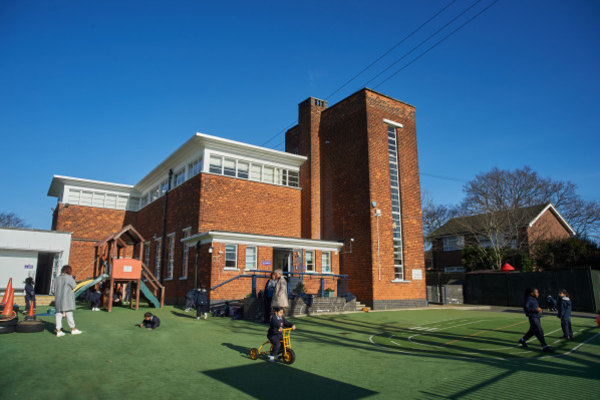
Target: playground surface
424,354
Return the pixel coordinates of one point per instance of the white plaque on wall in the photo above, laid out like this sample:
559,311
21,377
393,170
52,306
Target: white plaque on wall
417,274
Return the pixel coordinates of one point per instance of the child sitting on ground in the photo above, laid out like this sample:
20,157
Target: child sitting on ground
150,321
564,313
275,334
29,294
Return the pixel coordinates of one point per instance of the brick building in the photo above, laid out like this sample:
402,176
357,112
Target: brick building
534,223
343,198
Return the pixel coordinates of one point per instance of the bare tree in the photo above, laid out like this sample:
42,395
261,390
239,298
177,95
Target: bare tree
500,199
11,220
434,215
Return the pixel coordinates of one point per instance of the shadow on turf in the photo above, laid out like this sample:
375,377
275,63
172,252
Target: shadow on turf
244,351
264,380
182,315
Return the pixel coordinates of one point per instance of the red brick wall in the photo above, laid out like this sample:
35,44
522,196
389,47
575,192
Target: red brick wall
235,205
345,189
547,227
305,137
355,171
88,225
378,108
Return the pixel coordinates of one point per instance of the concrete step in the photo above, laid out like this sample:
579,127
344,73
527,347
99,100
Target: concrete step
360,306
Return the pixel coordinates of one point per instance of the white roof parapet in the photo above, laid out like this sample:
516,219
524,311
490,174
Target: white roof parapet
200,141
262,240
59,181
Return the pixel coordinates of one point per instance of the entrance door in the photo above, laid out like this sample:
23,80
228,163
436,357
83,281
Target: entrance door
282,259
43,274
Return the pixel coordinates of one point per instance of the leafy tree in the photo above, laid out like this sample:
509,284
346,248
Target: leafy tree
567,253
11,220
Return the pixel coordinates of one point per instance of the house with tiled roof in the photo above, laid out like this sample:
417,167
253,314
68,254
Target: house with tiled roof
530,224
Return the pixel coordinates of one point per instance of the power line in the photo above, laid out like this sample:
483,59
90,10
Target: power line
437,43
280,132
423,42
391,49
447,178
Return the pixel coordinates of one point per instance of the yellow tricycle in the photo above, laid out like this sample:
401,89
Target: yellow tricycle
286,354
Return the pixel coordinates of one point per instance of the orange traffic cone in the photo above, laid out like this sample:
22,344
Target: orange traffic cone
7,292
8,309
31,312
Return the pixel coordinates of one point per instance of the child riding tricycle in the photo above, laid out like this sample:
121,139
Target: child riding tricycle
279,338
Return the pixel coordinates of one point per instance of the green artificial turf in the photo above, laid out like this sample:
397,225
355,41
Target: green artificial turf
437,354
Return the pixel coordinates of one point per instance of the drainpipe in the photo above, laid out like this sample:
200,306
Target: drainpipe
164,228
196,268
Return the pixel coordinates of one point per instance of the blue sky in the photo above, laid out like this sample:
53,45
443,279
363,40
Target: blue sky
105,90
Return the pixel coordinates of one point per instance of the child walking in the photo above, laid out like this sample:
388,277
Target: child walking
64,300
564,313
533,311
150,321
275,334
29,294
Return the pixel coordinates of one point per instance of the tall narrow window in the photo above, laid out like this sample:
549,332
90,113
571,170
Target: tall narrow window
310,261
250,257
229,167
170,255
396,205
147,253
242,170
185,255
326,262
157,257
231,256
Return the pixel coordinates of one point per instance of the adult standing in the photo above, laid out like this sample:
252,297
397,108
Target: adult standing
533,311
280,296
64,300
268,296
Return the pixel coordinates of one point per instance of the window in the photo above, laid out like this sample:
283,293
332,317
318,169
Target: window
255,172
229,167
231,256
216,165
326,262
110,201
86,198
170,255
185,255
179,177
147,253
268,174
453,243
250,257
310,261
157,257
293,178
242,171
396,204
164,186
194,168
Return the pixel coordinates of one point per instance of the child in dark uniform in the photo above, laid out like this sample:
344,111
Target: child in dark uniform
275,334
150,321
564,313
29,294
533,311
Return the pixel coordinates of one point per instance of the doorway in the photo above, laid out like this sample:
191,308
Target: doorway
43,273
282,259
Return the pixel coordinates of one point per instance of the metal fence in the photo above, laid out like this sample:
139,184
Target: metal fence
508,289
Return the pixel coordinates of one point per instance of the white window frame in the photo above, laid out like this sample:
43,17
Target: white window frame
323,254
254,264
185,254
170,256
453,243
177,175
147,253
157,257
235,267
306,253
